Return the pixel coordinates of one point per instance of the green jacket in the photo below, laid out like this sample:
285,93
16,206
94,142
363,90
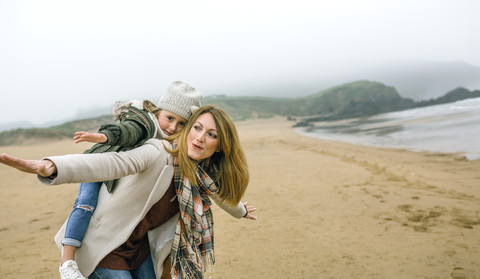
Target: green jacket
135,128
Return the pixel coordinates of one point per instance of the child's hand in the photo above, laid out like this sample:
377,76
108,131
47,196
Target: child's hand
90,137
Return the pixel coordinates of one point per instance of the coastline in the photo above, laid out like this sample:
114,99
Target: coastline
447,128
326,209
458,152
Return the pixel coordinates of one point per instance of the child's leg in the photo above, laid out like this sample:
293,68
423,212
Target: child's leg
77,224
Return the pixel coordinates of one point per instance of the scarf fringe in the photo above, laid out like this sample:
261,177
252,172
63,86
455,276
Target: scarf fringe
185,268
191,264
208,261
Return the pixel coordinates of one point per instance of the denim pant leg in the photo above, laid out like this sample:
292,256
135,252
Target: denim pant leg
144,271
85,204
105,273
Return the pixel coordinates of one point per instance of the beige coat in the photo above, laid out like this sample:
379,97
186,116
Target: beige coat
145,174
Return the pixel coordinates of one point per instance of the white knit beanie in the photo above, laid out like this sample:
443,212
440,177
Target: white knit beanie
181,99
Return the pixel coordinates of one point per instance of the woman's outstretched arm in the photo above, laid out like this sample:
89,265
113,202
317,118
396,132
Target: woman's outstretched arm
76,168
44,168
242,210
250,209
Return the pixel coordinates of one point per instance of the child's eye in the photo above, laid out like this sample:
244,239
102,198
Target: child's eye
170,118
181,124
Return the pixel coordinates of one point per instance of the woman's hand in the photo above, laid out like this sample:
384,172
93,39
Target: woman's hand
249,209
90,137
41,167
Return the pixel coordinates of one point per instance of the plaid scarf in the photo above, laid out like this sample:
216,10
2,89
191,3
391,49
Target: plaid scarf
192,248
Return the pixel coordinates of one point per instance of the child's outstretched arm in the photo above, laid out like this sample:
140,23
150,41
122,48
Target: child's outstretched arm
90,137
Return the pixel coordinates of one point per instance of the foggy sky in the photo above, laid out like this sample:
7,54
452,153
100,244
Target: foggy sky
58,58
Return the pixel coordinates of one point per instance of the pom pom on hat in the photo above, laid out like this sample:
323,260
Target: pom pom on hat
193,109
181,98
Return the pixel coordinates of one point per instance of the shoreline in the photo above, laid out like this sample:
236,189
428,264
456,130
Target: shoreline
444,128
326,209
462,155
385,129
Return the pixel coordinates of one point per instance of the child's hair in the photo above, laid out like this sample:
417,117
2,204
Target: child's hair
232,176
151,108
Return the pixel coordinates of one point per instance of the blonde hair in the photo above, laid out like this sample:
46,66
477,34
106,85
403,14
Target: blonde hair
232,177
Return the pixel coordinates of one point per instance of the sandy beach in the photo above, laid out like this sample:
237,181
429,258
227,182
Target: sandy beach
326,209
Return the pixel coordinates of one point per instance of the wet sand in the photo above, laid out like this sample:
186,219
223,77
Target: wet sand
326,209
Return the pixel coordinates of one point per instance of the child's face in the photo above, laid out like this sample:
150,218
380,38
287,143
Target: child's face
171,123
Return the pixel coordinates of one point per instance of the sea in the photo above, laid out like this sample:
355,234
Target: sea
446,128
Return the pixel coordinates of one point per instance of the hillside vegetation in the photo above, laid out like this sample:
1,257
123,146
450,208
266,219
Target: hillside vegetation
66,130
348,100
356,99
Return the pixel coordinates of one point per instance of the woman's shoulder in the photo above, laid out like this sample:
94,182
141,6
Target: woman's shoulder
160,144
159,149
149,152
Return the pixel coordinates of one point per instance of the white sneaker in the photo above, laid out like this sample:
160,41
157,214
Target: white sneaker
69,270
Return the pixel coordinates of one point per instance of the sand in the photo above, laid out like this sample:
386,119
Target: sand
325,210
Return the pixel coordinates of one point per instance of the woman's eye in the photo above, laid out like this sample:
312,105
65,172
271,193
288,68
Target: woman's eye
196,127
212,135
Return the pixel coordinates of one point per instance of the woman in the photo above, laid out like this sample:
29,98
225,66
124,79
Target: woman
139,220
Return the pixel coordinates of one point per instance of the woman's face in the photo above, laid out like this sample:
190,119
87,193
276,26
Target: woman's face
202,140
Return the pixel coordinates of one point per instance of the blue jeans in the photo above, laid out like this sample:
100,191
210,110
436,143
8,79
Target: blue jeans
85,204
144,271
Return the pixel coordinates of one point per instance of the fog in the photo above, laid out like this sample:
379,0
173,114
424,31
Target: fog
61,58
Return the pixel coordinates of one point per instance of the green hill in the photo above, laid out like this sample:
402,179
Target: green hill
66,130
349,100
356,99
451,96
240,108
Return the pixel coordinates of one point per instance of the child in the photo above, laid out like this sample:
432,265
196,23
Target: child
139,121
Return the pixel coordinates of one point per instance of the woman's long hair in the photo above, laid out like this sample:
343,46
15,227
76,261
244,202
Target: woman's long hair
232,176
